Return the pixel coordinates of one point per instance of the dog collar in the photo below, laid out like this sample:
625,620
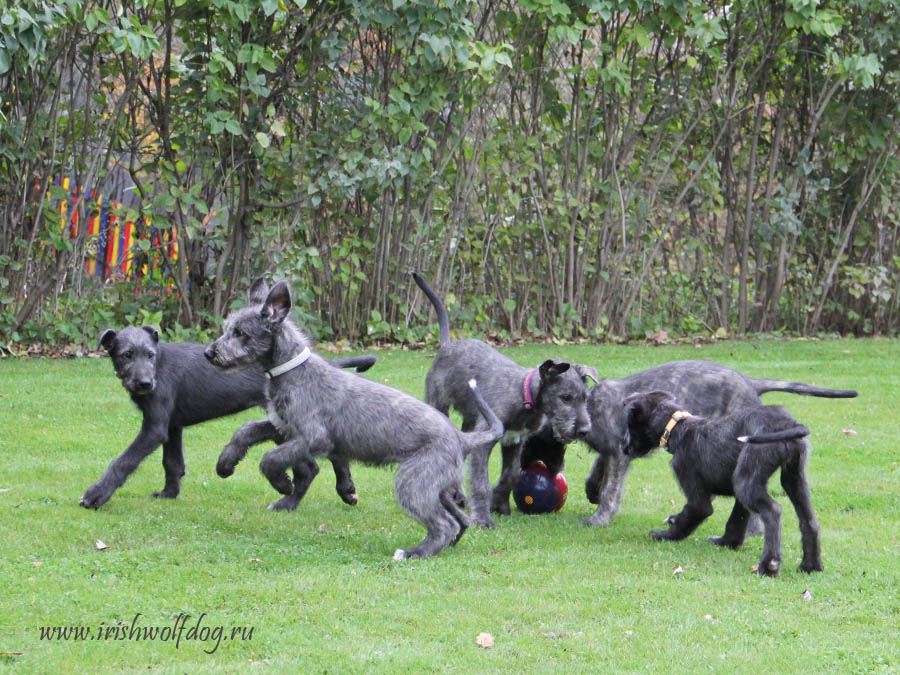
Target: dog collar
526,390
289,365
677,416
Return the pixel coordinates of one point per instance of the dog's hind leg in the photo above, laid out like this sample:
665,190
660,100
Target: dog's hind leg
793,480
344,482
274,466
735,528
449,500
173,464
509,474
418,493
750,478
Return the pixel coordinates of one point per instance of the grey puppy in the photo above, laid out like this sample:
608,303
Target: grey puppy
554,394
703,387
174,386
733,455
322,411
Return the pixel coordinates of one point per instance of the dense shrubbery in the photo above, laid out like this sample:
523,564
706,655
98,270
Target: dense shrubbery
561,169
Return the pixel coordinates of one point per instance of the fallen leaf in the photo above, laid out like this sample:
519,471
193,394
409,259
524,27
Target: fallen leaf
12,653
254,560
629,633
678,570
484,640
5,490
322,528
850,432
708,617
37,563
754,568
100,545
806,596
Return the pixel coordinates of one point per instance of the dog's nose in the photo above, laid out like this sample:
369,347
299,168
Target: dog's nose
145,384
582,432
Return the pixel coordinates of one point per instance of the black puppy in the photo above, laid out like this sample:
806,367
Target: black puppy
174,386
733,455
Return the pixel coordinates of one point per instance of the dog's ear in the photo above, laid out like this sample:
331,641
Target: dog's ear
152,332
587,372
278,303
107,339
550,369
259,289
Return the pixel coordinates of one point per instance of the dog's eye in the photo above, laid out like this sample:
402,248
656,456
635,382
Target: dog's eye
127,355
566,398
238,333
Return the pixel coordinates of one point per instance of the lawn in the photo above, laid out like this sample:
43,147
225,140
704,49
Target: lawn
316,590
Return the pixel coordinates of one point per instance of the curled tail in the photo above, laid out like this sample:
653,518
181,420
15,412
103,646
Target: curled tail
495,427
791,434
762,386
361,363
440,310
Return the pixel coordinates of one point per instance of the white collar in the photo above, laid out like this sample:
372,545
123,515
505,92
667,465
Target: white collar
289,365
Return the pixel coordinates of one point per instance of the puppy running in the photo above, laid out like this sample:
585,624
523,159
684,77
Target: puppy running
322,411
733,455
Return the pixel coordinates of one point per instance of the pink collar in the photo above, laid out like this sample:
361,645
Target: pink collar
526,389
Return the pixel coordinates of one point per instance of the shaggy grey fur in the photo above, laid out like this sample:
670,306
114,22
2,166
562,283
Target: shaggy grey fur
557,388
703,387
174,387
732,455
322,411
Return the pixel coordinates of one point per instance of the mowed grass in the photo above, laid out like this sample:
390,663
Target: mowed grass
321,593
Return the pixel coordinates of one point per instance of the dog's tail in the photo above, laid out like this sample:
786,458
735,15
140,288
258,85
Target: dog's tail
762,386
361,363
495,427
791,434
443,320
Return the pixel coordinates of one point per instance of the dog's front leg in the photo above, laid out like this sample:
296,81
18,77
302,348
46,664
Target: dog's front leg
149,438
735,528
682,524
173,464
251,433
608,474
509,474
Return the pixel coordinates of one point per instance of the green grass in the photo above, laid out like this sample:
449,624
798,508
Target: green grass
320,591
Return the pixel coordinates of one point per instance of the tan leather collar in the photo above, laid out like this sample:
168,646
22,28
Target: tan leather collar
677,416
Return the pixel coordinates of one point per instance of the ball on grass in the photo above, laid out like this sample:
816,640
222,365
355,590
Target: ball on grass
539,491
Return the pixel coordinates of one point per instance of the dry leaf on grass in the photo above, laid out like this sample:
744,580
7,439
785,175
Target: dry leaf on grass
100,546
806,596
754,568
850,432
254,560
678,570
484,640
37,563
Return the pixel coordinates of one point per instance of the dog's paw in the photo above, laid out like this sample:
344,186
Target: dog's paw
501,507
225,467
166,493
769,568
350,498
810,567
485,522
597,520
660,535
286,503
724,543
96,496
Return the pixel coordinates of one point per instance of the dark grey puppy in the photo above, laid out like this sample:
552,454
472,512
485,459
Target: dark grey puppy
732,455
704,388
174,386
554,394
322,411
